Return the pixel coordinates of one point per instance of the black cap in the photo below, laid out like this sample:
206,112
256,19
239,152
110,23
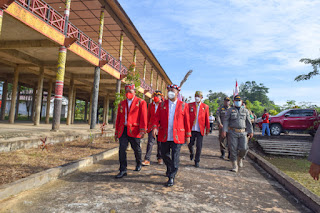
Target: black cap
227,99
237,98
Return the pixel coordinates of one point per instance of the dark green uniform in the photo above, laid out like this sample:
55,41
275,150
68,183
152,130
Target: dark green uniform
220,116
237,123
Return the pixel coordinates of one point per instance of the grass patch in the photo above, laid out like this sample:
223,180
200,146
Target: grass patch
22,163
298,169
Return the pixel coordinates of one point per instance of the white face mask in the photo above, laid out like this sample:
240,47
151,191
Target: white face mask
237,103
198,99
171,95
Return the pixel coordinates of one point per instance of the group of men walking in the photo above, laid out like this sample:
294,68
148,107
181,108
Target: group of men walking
172,123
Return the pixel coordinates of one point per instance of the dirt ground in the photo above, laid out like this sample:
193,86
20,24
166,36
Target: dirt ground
22,163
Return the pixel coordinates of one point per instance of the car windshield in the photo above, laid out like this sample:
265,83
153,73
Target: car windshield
283,112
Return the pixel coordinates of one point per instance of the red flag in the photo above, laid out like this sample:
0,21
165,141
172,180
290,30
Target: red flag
236,91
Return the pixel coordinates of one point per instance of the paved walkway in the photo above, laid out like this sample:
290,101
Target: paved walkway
210,188
26,130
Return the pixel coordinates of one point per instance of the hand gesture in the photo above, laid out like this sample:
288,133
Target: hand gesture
155,132
223,134
187,140
314,171
142,134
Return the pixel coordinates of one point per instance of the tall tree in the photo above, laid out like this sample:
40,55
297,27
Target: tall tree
218,96
254,92
315,63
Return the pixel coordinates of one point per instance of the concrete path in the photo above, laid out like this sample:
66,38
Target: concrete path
210,188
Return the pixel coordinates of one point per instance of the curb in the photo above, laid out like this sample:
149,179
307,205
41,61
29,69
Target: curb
34,143
309,199
41,178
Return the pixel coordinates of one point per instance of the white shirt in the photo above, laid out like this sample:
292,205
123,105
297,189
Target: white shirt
129,105
172,110
196,126
155,106
211,118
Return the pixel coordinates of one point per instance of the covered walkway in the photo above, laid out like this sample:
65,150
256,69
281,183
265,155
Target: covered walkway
83,54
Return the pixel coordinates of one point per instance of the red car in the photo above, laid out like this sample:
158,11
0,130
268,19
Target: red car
293,120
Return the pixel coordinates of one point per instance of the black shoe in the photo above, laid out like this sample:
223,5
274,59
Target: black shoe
138,168
170,182
222,154
121,174
196,164
191,156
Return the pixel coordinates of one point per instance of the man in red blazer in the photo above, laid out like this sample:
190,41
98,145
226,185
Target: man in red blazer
172,125
131,125
199,121
152,109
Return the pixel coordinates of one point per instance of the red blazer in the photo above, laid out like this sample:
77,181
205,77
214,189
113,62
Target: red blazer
151,114
203,117
181,123
137,118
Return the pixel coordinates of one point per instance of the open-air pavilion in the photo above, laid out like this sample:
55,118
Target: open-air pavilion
78,49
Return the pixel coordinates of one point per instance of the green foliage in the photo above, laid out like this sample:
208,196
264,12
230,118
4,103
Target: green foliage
315,63
257,108
273,112
132,77
213,105
254,92
212,96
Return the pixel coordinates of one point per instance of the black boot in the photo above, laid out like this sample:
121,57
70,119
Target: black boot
138,168
170,182
191,156
196,164
121,174
229,155
222,154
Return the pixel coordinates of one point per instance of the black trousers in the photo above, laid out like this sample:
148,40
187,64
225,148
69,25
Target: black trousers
151,141
124,142
196,136
173,162
211,127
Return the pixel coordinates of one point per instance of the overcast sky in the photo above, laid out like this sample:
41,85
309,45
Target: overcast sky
225,40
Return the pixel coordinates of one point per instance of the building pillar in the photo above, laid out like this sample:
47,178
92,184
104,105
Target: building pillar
118,87
74,103
157,83
39,97
134,59
85,111
90,108
14,95
48,102
4,100
1,18
96,81
34,92
70,99
60,74
106,109
144,73
18,103
151,77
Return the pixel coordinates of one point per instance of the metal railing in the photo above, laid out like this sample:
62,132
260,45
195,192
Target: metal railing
45,12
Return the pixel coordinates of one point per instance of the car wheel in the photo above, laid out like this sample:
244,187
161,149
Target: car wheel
275,129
